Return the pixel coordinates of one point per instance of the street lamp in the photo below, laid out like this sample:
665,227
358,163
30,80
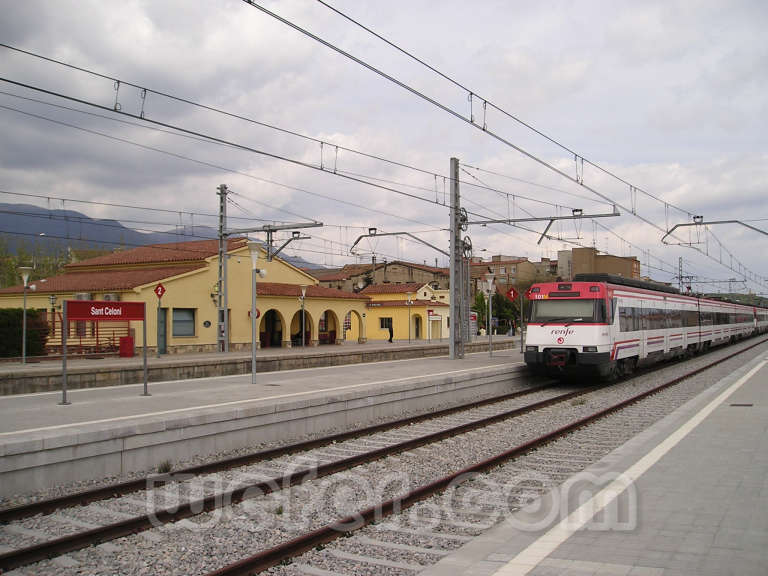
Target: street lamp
489,280
24,271
52,300
303,321
253,247
409,302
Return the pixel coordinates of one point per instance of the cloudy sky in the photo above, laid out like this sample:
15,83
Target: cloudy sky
665,97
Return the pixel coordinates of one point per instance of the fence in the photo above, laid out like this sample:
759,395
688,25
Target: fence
86,337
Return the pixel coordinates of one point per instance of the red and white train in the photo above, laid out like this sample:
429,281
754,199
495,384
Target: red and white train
612,324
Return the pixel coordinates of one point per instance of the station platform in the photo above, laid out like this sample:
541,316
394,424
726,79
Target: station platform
112,431
42,375
687,497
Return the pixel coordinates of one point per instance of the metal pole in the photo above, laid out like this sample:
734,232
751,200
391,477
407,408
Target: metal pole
222,336
64,331
254,326
24,328
454,344
159,310
490,311
521,321
144,336
409,319
303,322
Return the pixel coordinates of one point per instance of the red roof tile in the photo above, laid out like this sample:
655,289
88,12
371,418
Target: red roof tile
173,252
401,303
392,288
497,262
276,289
104,281
328,275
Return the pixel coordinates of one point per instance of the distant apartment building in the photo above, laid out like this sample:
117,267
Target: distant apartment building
351,276
506,272
588,261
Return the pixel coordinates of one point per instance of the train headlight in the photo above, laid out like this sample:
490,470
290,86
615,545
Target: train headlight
590,348
531,348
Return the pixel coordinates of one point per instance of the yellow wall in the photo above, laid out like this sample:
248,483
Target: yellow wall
399,315
193,290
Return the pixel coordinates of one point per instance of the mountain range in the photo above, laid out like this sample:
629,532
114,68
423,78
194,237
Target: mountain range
29,228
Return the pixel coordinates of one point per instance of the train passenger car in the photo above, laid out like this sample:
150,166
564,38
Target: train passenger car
761,320
612,324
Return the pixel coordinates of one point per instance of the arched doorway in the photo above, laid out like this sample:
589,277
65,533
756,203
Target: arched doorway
296,329
328,328
271,329
417,327
354,330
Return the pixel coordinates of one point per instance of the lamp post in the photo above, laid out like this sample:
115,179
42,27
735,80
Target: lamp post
489,280
303,321
52,300
253,247
24,271
409,302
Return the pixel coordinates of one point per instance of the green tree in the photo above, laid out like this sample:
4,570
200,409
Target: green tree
481,307
11,330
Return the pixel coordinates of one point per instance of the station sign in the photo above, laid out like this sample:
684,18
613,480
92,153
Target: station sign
103,311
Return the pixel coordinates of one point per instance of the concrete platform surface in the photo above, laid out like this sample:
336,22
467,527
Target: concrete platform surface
687,497
30,413
44,375
115,430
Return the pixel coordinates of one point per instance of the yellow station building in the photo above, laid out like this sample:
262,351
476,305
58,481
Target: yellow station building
187,313
400,306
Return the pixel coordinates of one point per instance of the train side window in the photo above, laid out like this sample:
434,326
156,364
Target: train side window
625,319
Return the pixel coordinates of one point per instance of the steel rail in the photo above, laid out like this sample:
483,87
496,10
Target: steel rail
344,526
56,547
118,489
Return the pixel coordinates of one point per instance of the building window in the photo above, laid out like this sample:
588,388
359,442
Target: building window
323,322
385,323
502,270
183,321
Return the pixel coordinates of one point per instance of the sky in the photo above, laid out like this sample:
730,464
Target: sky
654,110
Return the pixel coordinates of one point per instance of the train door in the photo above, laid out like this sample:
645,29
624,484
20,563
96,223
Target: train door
613,320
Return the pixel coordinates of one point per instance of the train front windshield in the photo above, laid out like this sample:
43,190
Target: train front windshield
568,311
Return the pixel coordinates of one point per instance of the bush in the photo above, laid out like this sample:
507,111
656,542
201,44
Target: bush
11,320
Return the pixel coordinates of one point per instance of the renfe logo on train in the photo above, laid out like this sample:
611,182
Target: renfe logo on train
562,331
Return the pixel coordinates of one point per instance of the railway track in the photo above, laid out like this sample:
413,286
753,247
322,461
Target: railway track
78,498
420,433
271,492
368,520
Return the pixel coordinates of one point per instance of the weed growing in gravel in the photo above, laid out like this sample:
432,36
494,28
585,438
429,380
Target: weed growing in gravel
578,402
279,511
164,467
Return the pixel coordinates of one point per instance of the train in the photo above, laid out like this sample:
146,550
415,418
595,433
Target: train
609,325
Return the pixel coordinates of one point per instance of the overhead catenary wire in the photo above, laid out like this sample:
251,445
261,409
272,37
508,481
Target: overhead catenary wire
579,179
322,142
243,147
486,101
498,137
209,164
